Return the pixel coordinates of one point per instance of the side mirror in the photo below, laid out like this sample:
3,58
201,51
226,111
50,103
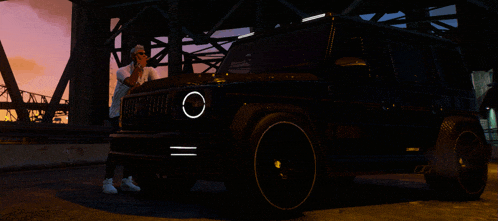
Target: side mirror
350,61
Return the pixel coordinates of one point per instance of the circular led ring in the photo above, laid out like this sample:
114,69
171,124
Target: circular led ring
203,107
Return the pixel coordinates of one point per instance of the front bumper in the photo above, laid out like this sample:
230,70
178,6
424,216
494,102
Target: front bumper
171,153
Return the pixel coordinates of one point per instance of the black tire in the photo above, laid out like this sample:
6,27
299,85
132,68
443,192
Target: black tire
280,166
151,184
459,161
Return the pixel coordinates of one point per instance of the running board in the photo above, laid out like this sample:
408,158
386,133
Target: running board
423,169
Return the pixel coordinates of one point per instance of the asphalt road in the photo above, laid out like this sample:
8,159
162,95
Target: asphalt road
75,194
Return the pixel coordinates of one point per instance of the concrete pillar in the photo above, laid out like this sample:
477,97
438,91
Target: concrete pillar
89,87
174,39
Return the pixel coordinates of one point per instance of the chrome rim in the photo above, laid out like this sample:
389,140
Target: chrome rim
472,168
285,165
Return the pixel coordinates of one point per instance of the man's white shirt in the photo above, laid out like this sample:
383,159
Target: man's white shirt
121,89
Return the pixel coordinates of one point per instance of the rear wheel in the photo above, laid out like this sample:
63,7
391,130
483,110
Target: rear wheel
460,165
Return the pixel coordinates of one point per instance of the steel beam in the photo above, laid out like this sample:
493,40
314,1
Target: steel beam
215,27
488,5
13,89
67,74
129,39
89,85
174,39
377,17
477,34
355,4
197,60
442,24
124,26
187,64
419,19
196,55
294,9
261,17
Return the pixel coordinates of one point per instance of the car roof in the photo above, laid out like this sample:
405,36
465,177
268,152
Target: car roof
348,20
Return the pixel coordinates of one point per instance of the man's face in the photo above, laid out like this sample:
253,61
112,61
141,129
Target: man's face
140,55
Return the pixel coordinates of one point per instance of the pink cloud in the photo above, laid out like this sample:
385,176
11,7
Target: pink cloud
25,70
23,64
56,12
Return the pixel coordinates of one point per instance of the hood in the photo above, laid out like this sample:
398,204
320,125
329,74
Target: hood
216,79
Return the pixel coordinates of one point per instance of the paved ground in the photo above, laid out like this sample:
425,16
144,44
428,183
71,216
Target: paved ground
75,194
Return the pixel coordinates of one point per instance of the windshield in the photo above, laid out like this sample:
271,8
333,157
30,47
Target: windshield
298,52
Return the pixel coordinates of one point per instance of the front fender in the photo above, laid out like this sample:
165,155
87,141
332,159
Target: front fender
249,114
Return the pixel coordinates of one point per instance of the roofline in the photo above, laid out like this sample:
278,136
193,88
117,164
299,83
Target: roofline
330,18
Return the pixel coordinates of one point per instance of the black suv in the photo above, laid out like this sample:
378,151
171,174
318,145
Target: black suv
333,97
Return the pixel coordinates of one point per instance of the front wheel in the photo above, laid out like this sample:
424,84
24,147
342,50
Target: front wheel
283,170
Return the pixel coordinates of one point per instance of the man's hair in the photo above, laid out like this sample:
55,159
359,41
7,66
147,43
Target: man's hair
136,48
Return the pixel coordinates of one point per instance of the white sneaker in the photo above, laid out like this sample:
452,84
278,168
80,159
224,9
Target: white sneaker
127,185
108,187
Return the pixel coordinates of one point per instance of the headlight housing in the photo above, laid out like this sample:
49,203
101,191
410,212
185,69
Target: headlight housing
193,104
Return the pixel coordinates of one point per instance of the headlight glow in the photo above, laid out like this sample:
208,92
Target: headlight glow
193,104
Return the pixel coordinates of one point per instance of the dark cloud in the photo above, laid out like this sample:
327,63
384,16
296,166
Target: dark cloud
56,12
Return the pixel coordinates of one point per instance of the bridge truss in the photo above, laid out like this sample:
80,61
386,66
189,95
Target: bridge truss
35,103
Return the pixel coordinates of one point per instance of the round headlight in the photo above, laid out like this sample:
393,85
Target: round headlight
193,104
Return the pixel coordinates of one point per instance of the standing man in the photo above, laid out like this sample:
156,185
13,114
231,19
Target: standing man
129,76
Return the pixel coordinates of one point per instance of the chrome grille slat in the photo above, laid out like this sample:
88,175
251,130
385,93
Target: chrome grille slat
145,106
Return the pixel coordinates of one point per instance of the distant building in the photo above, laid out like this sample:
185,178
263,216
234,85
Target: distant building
481,81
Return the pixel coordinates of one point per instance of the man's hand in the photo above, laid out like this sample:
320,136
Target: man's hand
132,81
142,61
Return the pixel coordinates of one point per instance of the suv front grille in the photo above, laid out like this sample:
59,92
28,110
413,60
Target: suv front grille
144,106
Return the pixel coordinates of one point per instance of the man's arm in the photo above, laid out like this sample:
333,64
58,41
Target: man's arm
153,75
132,80
140,62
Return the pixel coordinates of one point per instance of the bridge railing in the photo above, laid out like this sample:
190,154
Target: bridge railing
491,135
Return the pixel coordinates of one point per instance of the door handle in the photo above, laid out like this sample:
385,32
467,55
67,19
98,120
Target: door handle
388,106
437,109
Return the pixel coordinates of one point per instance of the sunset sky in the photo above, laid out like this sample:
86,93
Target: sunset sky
36,36
36,39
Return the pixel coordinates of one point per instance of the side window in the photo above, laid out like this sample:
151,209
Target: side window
346,63
452,69
413,64
371,54
296,52
379,61
240,64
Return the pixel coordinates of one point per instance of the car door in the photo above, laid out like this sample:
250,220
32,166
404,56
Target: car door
419,112
361,88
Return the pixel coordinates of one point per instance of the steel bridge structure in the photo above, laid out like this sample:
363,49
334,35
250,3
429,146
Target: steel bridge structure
192,22
36,104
